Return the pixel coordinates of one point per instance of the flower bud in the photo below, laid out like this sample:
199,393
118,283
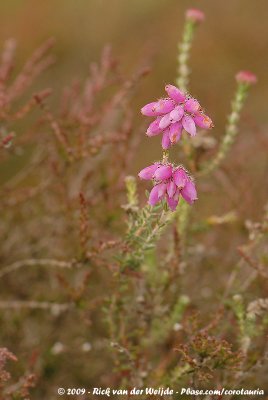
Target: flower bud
195,15
246,77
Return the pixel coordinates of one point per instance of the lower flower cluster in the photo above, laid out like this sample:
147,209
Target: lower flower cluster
170,182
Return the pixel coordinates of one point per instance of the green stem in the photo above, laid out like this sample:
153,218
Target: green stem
231,131
184,54
165,156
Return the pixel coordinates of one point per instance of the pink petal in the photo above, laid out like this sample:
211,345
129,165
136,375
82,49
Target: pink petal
156,194
154,128
203,121
177,194
162,187
176,114
165,121
192,106
171,189
163,172
189,192
153,196
175,94
189,125
165,140
175,131
148,172
180,177
164,106
149,109
172,203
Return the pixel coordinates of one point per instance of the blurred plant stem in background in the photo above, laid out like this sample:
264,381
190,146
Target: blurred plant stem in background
131,187
193,18
184,48
244,80
231,129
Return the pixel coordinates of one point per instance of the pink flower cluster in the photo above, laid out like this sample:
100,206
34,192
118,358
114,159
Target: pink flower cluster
173,114
170,183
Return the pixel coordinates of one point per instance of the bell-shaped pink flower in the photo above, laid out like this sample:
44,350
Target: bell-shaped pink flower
157,193
149,109
192,106
177,114
185,185
165,121
188,192
189,125
163,172
166,143
153,128
175,131
164,106
172,203
175,94
171,188
180,177
148,172
203,121
153,197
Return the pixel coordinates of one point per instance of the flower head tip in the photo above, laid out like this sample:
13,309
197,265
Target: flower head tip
195,15
246,77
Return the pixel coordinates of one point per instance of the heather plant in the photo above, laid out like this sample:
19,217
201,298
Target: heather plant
99,288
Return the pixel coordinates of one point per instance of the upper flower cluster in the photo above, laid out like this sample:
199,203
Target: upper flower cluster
170,183
173,114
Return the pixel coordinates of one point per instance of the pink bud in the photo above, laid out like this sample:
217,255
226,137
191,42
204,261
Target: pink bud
171,188
246,77
189,125
149,109
148,172
163,172
203,121
180,177
165,121
165,140
154,128
172,203
175,131
162,187
156,194
153,197
175,93
192,106
164,106
176,114
189,192
195,15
